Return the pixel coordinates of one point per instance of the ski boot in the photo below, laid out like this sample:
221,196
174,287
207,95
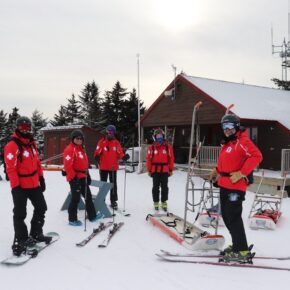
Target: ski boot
41,238
18,248
76,223
241,257
97,217
164,206
114,205
156,206
24,247
229,249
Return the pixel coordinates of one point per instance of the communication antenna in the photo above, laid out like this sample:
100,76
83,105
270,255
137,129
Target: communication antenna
283,50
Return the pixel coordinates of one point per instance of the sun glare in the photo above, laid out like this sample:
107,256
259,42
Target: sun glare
177,15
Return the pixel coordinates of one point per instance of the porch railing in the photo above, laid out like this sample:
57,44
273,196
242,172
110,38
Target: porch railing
209,155
285,161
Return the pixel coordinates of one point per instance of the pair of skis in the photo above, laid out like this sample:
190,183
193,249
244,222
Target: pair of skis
198,259
102,227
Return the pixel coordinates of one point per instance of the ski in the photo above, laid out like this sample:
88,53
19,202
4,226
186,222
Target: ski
31,252
212,263
100,228
113,230
122,212
192,255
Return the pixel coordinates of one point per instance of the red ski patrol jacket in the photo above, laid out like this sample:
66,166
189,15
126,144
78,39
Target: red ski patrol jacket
23,167
238,155
110,151
75,161
160,157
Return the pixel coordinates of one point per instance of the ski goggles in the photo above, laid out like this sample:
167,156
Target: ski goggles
228,125
24,127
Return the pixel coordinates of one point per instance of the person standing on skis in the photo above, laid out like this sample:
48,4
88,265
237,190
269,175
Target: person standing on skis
237,160
76,167
24,171
107,156
160,165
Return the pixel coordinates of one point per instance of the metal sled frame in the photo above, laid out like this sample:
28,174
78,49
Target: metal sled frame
194,171
263,202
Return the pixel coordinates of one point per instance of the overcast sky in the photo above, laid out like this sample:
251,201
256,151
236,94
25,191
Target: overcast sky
51,49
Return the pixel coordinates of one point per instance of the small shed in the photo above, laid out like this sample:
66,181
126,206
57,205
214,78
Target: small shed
57,138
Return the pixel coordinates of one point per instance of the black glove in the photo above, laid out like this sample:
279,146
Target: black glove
16,190
89,179
126,157
63,172
97,159
42,183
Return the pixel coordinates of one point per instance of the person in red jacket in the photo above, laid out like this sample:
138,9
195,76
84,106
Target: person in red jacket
24,171
160,165
237,160
76,166
107,156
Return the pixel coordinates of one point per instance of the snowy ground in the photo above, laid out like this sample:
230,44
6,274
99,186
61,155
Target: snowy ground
129,262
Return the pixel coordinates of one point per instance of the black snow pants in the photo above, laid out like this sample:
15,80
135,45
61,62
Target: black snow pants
36,197
160,179
231,209
77,189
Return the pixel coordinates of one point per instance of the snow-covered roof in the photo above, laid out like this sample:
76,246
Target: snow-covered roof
50,127
250,102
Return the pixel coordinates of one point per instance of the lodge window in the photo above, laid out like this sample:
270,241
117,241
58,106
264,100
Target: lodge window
253,134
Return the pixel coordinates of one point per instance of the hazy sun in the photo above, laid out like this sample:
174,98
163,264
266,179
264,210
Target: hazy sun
177,14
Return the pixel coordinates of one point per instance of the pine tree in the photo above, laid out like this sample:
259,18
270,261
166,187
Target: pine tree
131,118
284,85
11,124
60,119
73,110
38,122
91,105
3,121
113,108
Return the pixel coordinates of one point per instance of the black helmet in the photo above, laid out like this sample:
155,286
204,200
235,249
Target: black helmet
112,129
76,133
231,118
23,120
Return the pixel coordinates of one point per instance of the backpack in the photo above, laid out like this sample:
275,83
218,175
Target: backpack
19,157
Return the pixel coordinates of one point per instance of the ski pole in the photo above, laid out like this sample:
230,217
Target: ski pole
124,200
86,193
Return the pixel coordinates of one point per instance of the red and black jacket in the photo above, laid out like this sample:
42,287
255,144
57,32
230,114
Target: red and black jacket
241,155
110,152
160,157
75,161
22,166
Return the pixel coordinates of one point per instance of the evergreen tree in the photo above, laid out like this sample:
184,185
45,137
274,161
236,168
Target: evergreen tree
91,105
73,110
3,121
38,122
131,118
11,124
284,85
113,108
60,119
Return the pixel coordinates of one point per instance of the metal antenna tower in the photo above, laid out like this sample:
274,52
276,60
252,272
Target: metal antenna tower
283,50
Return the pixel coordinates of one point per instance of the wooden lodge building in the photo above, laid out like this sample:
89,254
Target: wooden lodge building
265,112
57,138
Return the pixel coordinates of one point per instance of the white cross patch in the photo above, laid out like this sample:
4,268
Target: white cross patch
67,157
81,155
164,151
229,149
26,153
114,148
155,151
10,156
